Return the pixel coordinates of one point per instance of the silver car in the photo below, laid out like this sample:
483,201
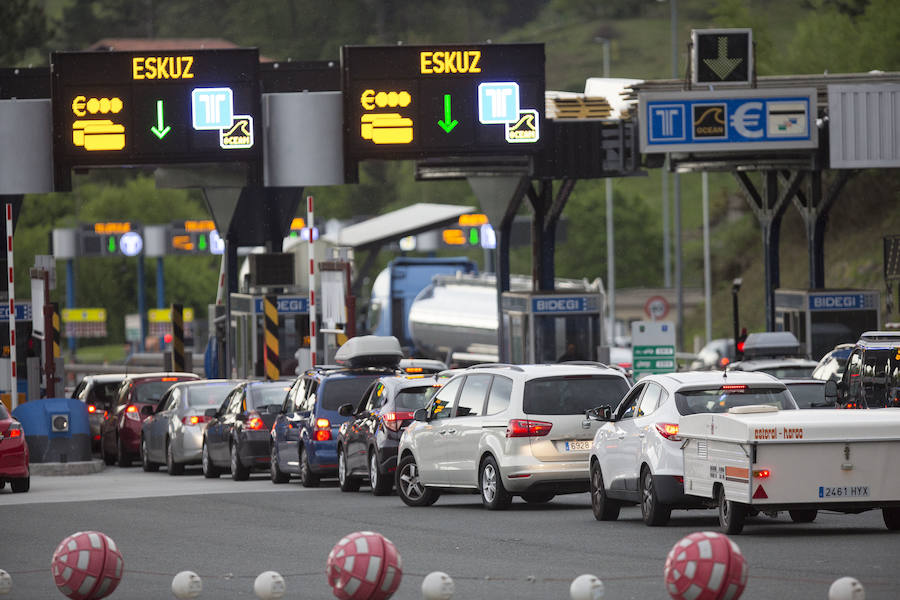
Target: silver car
173,434
506,430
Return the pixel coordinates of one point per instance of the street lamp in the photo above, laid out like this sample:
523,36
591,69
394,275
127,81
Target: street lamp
610,239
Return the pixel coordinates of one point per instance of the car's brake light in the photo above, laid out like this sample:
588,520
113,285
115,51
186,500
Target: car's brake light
254,422
132,412
394,420
91,408
195,419
733,387
527,428
14,431
668,431
169,379
323,430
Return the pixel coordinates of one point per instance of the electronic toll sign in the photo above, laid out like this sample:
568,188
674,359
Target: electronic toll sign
421,101
151,108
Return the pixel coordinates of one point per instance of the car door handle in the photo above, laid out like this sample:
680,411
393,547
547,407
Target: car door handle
451,431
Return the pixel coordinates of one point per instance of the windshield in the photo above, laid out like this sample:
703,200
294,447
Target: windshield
718,400
264,394
571,394
336,392
208,395
152,390
809,395
877,379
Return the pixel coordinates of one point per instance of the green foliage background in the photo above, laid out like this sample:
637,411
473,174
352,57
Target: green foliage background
802,36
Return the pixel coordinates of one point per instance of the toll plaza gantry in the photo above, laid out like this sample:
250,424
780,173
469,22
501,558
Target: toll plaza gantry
779,136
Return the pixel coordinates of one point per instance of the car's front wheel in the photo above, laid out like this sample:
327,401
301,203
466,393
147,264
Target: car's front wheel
654,512
381,484
347,482
277,475
122,456
604,509
210,471
410,488
493,494
146,464
238,471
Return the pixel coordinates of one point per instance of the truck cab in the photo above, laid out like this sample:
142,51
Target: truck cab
871,378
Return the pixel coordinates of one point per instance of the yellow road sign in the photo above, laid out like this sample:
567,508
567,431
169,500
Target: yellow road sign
84,315
164,315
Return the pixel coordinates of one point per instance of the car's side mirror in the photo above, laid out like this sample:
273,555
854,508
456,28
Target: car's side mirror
599,413
211,412
146,410
345,410
421,414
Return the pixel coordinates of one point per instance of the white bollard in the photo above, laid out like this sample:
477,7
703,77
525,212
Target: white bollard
586,587
269,585
5,582
846,588
437,585
187,585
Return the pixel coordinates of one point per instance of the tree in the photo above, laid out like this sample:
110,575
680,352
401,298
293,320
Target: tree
23,28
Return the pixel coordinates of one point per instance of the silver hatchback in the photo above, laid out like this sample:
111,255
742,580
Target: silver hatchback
506,430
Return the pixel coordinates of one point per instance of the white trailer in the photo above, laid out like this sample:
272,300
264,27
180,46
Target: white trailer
761,459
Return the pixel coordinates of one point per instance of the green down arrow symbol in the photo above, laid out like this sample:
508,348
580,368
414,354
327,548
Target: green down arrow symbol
160,131
447,124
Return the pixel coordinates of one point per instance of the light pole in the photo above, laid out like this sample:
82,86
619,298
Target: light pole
610,236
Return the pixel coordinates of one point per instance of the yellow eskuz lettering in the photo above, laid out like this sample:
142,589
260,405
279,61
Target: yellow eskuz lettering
186,74
476,56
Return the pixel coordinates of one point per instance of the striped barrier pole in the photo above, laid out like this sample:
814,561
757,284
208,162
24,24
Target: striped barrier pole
270,353
11,285
310,225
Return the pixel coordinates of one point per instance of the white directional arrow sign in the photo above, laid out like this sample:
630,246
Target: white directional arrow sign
722,65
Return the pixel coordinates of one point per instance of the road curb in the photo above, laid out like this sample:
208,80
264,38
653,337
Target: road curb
67,468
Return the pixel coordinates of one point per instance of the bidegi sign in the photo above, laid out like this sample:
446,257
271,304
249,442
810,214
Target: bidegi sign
833,301
562,304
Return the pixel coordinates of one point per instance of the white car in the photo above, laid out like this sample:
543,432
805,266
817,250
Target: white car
504,431
636,455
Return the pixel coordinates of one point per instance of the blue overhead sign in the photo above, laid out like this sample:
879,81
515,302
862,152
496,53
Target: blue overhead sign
287,305
23,311
728,121
845,301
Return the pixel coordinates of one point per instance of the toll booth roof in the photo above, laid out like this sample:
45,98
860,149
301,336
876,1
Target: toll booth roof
397,224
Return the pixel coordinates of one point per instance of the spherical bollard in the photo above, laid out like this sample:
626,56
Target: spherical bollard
269,585
5,582
437,585
705,566
87,566
586,587
364,566
187,585
846,588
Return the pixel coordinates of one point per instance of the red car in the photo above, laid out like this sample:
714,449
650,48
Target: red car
13,453
120,432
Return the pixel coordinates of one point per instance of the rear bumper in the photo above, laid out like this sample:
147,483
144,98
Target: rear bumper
13,460
562,477
189,447
255,449
323,457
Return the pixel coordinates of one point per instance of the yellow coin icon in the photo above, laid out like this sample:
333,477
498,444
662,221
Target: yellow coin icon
93,106
115,105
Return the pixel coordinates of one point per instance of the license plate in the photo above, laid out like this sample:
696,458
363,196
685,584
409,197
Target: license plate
844,491
578,445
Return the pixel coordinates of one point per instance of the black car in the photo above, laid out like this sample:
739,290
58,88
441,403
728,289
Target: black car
237,437
368,440
811,393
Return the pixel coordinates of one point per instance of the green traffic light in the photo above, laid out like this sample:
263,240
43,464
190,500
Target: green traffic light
111,244
473,236
201,242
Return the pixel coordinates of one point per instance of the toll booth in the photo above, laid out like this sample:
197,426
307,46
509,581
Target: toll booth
546,327
822,319
248,323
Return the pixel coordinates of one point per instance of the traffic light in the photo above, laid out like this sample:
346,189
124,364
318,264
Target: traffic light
739,344
110,239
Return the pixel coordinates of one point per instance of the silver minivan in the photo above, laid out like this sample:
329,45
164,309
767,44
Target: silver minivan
506,430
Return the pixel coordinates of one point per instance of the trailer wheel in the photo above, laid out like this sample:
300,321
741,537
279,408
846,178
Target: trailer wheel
731,514
803,515
891,516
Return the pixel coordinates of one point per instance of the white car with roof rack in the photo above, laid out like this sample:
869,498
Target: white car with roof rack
636,454
506,430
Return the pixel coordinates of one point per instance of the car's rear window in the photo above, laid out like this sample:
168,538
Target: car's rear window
266,394
718,400
412,398
810,395
788,372
336,392
104,393
571,394
152,390
208,395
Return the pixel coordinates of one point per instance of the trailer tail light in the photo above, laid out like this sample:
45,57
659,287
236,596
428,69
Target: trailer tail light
527,428
323,430
762,474
195,419
394,420
668,431
132,412
254,423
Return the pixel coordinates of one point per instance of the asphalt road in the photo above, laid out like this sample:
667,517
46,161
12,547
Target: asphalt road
228,532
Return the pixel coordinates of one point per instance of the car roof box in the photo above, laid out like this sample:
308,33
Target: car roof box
369,351
771,343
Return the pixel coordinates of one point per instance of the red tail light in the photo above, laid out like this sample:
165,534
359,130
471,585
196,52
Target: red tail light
527,428
733,388
668,431
132,412
195,419
14,431
323,430
254,422
762,473
394,420
91,408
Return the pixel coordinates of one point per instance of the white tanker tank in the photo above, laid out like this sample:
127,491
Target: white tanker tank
454,319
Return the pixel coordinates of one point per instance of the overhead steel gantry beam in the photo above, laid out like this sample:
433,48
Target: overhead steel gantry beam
547,211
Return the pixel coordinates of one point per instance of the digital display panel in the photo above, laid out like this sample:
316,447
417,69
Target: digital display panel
420,101
149,108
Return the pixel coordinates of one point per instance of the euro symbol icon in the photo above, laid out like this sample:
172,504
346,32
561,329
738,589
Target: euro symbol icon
747,123
78,106
368,100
